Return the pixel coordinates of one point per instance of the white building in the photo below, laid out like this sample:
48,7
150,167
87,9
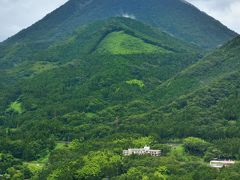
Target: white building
142,151
221,163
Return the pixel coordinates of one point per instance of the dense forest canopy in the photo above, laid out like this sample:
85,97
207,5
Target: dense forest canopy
69,106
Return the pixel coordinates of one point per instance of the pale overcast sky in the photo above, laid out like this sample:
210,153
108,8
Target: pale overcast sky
18,14
226,11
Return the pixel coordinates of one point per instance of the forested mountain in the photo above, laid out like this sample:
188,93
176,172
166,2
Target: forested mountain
176,17
114,38
101,65
213,67
206,93
75,92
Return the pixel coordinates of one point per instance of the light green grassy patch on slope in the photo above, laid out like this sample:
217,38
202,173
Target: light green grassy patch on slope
122,43
34,167
16,107
40,67
137,82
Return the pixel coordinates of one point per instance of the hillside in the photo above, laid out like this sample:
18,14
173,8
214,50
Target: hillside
175,17
111,52
114,84
211,68
70,105
18,63
102,103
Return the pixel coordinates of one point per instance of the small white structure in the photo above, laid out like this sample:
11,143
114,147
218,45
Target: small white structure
221,163
142,151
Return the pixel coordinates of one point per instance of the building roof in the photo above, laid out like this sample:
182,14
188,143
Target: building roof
223,161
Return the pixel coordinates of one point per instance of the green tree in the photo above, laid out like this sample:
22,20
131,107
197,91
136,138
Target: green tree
196,146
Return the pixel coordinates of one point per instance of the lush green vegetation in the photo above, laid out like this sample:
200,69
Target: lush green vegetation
15,107
121,43
139,83
69,109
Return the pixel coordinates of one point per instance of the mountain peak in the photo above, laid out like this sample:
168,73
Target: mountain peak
175,17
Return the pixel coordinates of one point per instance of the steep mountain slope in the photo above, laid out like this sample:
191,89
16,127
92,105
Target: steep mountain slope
80,41
116,50
176,17
214,66
84,87
91,39
111,85
104,101
202,100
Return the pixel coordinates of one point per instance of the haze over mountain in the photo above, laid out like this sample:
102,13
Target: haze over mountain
80,86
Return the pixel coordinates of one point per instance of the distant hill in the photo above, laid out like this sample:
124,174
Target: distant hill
175,17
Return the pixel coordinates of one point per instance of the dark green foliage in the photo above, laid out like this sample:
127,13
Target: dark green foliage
69,109
196,146
11,168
